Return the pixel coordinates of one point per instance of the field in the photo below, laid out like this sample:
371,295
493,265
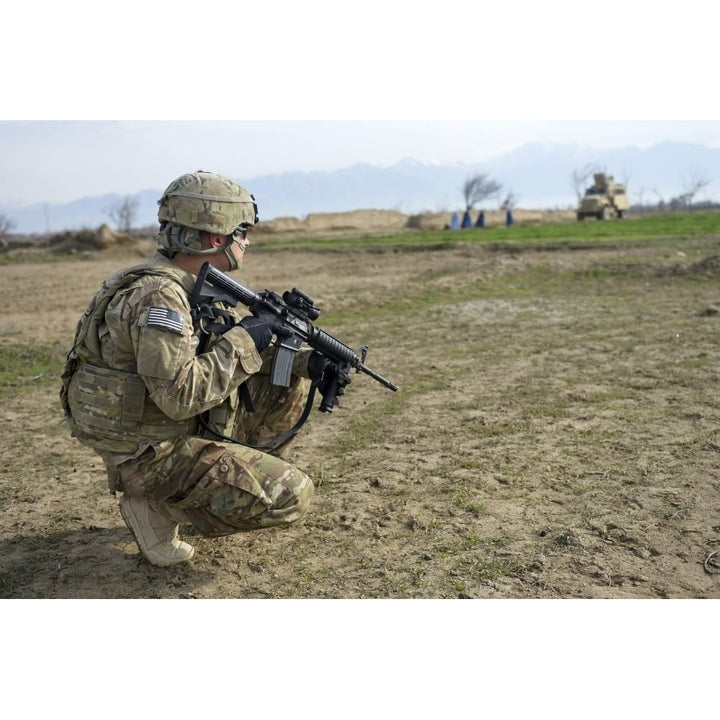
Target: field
556,433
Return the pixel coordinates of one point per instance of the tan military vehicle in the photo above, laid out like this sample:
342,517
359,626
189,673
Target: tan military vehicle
604,199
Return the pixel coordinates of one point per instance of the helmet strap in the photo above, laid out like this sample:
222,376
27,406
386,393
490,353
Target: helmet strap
175,239
227,249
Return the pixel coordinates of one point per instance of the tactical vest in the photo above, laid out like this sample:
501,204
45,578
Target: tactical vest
108,409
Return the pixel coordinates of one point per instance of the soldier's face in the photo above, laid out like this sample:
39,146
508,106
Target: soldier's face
239,243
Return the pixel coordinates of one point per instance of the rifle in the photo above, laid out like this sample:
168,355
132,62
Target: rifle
291,317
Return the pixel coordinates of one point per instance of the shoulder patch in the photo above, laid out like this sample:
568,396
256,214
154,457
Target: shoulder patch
165,318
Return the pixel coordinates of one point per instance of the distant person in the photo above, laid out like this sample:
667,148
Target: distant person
157,391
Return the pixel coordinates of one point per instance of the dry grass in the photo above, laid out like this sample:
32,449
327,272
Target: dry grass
555,435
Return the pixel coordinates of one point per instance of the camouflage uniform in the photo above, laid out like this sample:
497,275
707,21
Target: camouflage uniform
134,389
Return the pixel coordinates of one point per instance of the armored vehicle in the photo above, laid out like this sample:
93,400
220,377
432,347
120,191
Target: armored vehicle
604,199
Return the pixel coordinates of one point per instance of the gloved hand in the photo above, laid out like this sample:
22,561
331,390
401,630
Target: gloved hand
259,330
328,378
321,370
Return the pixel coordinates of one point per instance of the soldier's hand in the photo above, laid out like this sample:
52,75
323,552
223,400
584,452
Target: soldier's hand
326,374
259,330
329,378
320,368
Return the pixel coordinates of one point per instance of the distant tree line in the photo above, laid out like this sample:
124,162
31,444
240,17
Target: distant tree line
123,213
478,188
692,184
6,225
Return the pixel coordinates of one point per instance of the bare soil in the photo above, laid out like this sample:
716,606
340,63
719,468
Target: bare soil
555,434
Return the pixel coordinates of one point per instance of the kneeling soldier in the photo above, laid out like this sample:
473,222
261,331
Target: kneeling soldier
156,392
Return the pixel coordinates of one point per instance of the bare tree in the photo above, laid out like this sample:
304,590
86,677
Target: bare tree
680,201
661,199
123,213
6,225
477,187
510,201
580,178
693,184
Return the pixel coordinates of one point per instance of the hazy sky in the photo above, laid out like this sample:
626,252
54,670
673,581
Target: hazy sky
63,161
319,86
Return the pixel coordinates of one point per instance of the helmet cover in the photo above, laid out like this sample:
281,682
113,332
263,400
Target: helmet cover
202,201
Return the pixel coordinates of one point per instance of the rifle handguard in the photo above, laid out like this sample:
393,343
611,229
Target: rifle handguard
292,315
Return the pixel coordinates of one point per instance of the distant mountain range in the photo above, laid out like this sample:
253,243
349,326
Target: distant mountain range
538,174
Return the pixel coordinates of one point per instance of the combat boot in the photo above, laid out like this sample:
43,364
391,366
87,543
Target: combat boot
156,535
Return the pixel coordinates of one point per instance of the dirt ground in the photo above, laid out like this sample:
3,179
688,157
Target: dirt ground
556,434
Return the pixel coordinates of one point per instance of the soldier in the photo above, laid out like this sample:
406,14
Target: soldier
156,390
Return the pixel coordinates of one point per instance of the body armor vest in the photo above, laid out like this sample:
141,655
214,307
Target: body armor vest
109,409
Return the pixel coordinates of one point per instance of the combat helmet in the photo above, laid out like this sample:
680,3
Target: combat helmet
203,201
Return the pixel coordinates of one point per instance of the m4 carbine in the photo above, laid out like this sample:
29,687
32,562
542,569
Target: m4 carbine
291,318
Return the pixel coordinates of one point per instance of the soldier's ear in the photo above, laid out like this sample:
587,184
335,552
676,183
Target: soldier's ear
212,240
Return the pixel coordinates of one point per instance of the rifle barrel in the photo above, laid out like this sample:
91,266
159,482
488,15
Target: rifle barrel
376,376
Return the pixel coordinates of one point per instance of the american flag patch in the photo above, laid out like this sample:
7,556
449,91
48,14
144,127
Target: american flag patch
165,318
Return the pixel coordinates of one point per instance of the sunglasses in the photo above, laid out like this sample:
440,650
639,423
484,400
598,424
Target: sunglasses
239,236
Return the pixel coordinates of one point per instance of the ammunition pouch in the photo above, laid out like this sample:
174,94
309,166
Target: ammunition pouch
112,411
